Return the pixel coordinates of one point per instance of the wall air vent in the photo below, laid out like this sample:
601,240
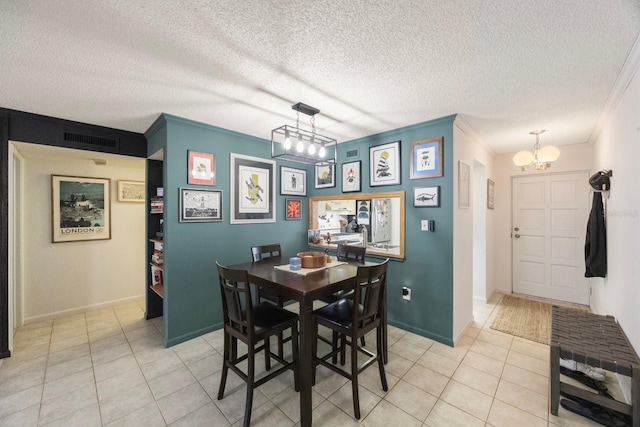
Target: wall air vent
352,153
89,140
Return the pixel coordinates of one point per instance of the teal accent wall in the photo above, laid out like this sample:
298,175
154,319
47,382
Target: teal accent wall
192,301
428,265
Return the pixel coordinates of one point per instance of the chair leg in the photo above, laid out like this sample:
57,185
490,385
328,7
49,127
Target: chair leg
314,353
343,349
334,346
225,366
362,342
354,378
296,357
250,385
281,345
267,349
380,350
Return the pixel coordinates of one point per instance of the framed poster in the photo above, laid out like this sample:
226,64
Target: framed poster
426,158
81,208
293,209
490,193
351,177
202,168
325,176
426,197
384,164
197,205
131,191
463,185
252,189
293,181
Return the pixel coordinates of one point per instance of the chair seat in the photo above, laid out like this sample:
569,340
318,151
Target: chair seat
338,296
338,314
268,317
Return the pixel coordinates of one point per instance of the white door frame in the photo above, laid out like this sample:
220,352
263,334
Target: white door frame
15,261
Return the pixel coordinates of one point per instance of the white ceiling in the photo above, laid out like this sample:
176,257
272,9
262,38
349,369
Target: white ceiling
506,66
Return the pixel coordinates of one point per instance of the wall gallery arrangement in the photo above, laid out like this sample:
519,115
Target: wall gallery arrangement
81,208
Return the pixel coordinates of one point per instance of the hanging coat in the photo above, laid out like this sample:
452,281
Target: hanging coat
595,248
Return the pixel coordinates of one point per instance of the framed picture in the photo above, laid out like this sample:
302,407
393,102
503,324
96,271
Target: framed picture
293,209
426,197
131,191
293,181
81,208
384,164
490,193
464,181
351,177
426,158
325,176
202,168
252,189
197,205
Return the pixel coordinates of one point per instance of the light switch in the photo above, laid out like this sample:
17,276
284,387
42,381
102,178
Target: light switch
424,225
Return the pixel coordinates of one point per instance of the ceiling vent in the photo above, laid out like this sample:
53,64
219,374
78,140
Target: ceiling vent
93,141
352,153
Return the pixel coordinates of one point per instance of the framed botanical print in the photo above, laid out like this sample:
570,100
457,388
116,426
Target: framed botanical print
426,158
293,209
198,205
81,208
252,189
131,191
202,168
490,194
293,181
384,164
351,177
325,175
426,197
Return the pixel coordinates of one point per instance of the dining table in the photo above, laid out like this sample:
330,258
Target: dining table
304,288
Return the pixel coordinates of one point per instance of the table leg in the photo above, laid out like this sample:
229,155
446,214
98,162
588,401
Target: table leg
554,356
306,361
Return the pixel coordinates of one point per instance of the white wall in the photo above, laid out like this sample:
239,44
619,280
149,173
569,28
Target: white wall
576,157
618,148
64,277
468,147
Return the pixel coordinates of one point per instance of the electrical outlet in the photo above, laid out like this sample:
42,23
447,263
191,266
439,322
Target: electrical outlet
406,293
424,225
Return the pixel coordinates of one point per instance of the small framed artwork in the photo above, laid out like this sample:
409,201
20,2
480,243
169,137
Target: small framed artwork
202,168
197,205
252,189
293,181
325,176
426,197
81,208
490,193
131,191
464,181
426,158
384,164
351,177
293,209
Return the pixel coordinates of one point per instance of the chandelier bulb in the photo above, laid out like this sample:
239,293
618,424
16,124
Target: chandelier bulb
300,146
287,140
312,149
322,151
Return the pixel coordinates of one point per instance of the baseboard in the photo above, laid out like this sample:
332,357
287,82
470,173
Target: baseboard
423,333
480,300
77,310
194,334
457,339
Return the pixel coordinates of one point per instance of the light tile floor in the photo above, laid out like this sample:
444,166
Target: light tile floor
108,368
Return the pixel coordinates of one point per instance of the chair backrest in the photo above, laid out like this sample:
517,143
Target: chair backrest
235,292
265,251
371,283
350,253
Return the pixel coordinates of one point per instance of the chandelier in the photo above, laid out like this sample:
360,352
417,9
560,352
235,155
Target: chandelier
541,158
302,146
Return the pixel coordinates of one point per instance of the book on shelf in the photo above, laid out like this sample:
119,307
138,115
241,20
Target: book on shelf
156,275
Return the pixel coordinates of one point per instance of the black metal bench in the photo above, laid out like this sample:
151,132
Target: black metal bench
598,341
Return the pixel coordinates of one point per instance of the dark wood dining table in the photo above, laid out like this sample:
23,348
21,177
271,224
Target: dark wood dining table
305,289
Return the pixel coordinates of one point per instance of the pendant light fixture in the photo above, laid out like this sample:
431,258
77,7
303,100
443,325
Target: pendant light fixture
302,146
541,157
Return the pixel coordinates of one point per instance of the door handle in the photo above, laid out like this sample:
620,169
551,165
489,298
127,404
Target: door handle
517,236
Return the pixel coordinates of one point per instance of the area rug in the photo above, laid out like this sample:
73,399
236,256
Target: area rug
524,318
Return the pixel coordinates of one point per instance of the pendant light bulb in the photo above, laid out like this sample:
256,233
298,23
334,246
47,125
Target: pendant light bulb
312,149
322,151
287,140
300,145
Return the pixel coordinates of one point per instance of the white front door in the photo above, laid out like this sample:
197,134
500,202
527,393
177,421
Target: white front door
550,215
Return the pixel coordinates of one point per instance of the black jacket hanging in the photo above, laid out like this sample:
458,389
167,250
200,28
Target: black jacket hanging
595,248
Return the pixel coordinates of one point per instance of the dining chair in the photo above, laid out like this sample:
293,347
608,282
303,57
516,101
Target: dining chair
252,323
260,253
353,318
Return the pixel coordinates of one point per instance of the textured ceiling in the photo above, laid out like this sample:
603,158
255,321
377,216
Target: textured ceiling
506,66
